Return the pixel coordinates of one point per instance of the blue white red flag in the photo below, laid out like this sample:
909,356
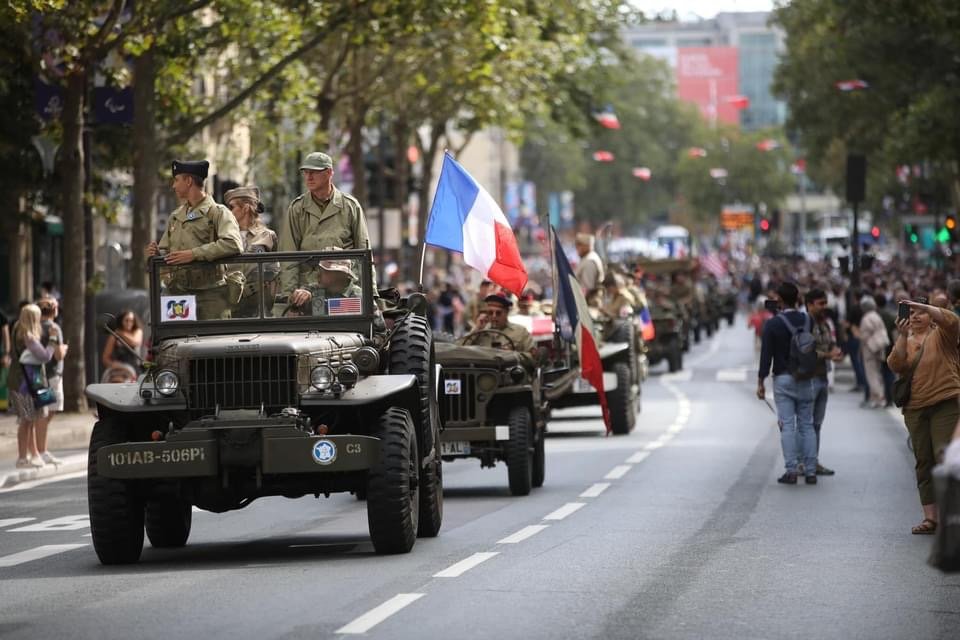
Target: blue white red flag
646,325
573,320
466,219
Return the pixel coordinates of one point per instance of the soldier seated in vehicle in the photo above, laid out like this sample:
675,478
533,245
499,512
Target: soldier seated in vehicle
335,282
494,330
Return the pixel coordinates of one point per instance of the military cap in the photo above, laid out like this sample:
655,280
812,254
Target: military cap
585,238
496,298
343,266
317,161
242,192
197,168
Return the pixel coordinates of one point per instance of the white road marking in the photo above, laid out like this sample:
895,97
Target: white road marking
9,522
595,490
665,438
36,483
523,534
650,446
36,553
618,472
378,614
680,376
639,456
565,510
675,428
66,523
458,569
732,375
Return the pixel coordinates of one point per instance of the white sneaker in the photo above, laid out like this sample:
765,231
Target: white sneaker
49,458
29,463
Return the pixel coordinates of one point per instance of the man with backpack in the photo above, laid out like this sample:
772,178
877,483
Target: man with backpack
788,345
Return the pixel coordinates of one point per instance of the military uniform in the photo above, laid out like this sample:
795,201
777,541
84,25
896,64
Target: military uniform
314,226
622,305
211,232
320,296
257,238
520,336
590,271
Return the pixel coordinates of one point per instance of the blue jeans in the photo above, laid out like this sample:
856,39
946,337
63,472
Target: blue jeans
819,406
795,400
853,349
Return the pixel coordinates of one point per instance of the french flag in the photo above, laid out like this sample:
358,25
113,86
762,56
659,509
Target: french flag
466,219
573,321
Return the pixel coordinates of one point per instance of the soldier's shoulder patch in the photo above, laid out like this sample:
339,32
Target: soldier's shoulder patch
350,198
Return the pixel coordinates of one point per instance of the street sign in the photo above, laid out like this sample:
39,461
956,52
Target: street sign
736,219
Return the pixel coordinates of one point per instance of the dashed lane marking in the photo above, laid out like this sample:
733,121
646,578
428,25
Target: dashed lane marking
378,614
595,490
37,553
564,511
638,457
9,522
37,483
619,471
650,446
458,569
523,534
66,523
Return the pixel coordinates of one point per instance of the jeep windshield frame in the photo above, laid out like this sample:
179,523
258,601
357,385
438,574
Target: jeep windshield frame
265,263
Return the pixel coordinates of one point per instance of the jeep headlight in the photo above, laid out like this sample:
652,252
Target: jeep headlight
322,377
348,375
166,382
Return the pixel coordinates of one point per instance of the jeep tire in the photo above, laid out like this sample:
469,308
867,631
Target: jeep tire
520,451
393,495
623,409
411,352
675,355
539,458
168,517
116,509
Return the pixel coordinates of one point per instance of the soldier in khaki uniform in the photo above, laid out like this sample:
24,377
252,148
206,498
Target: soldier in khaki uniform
246,206
323,217
198,231
619,302
495,318
590,270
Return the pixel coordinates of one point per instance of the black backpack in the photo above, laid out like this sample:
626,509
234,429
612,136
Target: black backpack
802,362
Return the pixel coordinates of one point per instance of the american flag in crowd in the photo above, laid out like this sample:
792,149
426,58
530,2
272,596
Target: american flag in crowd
343,306
714,263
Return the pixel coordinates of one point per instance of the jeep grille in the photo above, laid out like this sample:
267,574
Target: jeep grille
461,407
242,382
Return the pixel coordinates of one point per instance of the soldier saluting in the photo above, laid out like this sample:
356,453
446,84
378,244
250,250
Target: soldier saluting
198,231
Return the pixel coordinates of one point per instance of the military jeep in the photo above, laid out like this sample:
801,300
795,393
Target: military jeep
493,409
270,399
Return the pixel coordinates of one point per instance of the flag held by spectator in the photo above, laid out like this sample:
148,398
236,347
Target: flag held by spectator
573,320
465,218
607,118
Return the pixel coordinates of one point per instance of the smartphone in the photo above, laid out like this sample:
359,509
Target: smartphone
771,305
903,311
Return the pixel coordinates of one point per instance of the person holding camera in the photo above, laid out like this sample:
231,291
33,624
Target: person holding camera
827,353
788,346
925,359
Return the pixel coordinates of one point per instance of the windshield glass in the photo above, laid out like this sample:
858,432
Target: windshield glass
260,286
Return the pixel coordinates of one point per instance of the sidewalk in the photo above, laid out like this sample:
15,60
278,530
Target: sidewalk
67,431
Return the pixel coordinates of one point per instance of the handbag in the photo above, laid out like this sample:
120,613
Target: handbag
41,393
902,385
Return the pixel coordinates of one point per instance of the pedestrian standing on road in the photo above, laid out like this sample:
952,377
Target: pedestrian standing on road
322,217
51,336
24,380
788,347
199,231
927,346
873,347
827,353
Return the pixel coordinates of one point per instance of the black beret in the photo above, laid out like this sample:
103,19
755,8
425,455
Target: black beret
498,299
197,168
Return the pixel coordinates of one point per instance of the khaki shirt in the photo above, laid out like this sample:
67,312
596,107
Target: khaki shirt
259,238
522,341
590,271
211,232
621,306
312,227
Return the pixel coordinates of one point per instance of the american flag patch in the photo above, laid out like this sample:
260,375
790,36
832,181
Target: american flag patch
343,306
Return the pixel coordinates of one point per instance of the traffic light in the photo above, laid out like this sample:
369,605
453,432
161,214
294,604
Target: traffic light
950,225
764,225
875,232
911,234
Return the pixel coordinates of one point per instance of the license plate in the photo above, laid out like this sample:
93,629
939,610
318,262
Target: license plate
457,448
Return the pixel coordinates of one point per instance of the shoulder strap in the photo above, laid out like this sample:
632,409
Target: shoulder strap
916,361
792,329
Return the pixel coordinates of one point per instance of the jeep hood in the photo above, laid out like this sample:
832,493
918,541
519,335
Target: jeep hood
455,355
264,343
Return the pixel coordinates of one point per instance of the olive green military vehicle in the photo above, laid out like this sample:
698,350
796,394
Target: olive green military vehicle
285,401
667,344
493,409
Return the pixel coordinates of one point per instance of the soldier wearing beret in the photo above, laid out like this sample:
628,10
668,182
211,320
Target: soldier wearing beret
246,206
322,217
495,318
590,270
198,231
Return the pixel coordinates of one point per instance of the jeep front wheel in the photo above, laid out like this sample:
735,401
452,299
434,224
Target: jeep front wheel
116,510
168,517
431,498
520,452
393,493
623,414
539,459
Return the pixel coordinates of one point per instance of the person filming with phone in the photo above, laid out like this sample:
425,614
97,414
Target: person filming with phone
924,357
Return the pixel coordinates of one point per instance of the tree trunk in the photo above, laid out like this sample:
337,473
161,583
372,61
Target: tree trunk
16,227
75,282
355,148
145,167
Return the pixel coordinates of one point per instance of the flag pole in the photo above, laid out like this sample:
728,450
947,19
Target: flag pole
423,257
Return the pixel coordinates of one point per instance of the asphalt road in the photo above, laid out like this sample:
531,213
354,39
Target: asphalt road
676,531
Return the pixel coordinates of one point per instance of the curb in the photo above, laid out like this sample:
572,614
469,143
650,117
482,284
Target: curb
72,432
71,464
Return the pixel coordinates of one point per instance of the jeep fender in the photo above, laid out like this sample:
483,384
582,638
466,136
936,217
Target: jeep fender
125,398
